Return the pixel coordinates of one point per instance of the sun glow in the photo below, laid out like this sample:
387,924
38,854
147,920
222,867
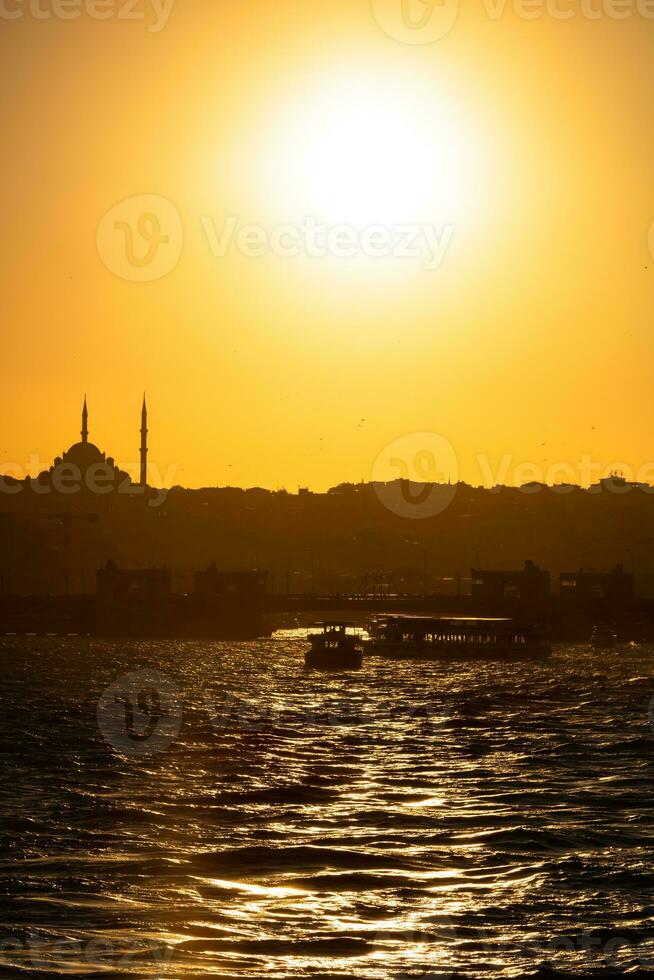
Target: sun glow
367,150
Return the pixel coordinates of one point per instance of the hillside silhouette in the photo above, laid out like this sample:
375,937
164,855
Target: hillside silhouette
336,541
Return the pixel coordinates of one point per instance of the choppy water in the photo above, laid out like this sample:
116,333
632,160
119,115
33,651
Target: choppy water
407,820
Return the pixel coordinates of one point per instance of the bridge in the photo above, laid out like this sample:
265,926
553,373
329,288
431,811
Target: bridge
362,603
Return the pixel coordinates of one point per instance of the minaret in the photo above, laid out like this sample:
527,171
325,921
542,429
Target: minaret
85,422
144,445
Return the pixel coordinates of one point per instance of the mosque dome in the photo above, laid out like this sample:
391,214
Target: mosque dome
84,454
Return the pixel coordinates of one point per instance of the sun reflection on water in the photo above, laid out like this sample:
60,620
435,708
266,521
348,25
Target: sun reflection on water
396,822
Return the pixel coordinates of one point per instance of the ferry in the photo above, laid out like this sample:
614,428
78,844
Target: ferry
456,638
333,647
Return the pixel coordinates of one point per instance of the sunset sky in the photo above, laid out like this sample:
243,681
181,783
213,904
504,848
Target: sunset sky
527,143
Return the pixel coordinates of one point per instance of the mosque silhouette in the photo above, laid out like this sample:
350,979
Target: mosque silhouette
85,463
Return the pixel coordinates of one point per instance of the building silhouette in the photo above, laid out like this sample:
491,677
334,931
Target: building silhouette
587,586
529,584
141,602
211,583
85,467
113,583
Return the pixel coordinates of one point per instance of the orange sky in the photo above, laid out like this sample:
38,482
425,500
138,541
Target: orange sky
530,139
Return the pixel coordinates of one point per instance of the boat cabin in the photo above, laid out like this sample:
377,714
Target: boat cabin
472,636
333,646
333,634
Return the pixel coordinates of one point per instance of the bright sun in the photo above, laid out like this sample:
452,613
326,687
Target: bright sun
362,152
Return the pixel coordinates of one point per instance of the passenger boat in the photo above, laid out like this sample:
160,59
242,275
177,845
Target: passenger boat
603,638
456,638
333,647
